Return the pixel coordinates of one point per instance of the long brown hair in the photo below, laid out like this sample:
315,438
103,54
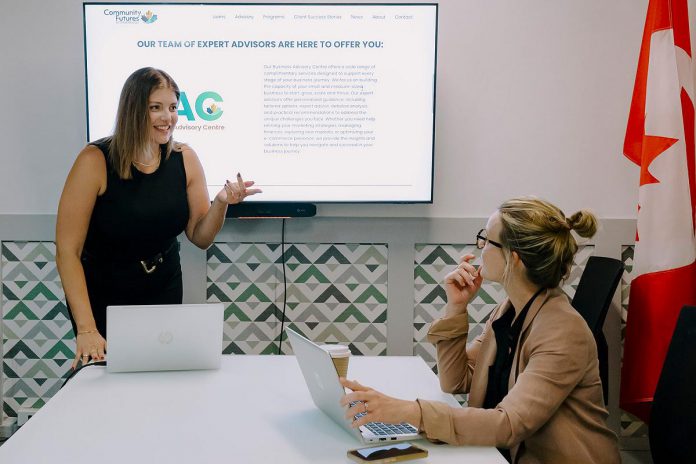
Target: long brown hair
540,234
131,134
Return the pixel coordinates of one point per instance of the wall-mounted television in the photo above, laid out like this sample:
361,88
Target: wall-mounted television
315,102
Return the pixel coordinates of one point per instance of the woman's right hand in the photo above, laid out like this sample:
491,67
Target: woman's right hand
90,345
461,285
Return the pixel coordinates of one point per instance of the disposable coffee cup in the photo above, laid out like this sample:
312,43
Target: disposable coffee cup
340,354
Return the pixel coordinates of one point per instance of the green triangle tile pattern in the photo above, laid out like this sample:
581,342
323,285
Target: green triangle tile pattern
579,263
37,338
432,263
631,426
336,293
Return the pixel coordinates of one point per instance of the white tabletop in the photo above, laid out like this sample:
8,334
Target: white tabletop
255,409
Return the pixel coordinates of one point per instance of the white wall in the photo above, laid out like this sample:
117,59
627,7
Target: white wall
532,97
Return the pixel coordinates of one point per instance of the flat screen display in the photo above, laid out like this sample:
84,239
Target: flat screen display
315,102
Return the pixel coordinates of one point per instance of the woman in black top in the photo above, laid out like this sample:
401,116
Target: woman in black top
125,201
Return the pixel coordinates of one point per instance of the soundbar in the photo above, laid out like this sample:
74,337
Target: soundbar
248,210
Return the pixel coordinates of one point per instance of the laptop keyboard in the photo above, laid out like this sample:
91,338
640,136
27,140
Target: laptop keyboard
382,429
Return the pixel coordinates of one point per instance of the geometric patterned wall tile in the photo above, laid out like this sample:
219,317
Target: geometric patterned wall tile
631,426
336,293
37,338
433,262
579,263
626,278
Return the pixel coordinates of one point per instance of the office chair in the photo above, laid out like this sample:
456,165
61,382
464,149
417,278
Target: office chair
592,299
673,415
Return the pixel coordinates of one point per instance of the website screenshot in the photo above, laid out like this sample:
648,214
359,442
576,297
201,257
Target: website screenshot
313,102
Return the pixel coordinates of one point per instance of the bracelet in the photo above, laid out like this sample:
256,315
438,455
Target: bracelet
421,425
87,332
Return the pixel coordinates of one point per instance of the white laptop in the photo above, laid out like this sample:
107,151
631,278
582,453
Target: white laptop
164,337
322,380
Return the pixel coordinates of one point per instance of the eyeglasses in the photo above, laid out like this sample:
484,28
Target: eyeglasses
481,240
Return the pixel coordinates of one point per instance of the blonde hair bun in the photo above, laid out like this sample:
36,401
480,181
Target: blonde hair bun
584,223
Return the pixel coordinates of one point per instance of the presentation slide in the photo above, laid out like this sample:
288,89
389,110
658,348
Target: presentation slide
316,103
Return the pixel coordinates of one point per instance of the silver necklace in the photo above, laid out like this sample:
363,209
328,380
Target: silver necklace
146,165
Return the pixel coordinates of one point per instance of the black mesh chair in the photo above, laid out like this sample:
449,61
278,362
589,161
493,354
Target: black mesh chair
673,415
592,299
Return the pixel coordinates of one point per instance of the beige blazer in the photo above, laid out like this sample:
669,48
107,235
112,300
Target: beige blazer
554,410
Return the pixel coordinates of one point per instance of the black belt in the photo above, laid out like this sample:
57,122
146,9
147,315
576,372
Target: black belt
149,265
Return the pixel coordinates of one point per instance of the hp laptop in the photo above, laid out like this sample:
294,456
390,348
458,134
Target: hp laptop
322,380
164,337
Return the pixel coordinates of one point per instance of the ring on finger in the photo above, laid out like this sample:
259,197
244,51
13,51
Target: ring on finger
365,404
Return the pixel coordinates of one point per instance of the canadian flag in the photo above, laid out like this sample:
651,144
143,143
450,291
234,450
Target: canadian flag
660,139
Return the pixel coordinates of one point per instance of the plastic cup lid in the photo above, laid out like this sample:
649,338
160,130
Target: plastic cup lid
336,351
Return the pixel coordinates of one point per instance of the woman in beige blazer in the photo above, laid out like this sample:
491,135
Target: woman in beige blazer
532,375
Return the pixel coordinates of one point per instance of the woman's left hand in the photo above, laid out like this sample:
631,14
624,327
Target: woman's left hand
378,406
236,192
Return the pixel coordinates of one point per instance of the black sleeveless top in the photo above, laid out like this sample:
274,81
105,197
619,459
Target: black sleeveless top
137,218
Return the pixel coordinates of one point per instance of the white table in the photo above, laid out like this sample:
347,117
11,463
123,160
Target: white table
255,409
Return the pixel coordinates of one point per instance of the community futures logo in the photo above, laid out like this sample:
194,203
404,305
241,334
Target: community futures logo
131,16
149,17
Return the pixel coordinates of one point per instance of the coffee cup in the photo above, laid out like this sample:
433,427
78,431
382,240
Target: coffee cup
340,354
